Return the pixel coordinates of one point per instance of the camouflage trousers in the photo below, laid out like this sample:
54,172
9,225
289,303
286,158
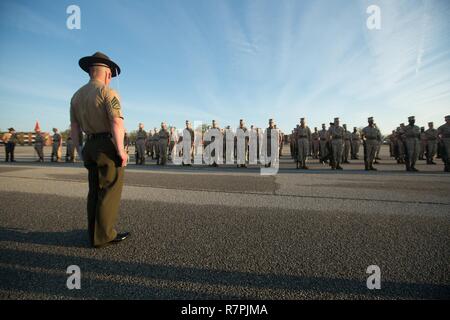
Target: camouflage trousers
140,151
412,152
56,152
39,148
303,150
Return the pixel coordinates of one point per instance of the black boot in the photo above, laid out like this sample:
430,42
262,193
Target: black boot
408,168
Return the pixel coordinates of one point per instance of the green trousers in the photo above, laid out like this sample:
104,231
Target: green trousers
105,189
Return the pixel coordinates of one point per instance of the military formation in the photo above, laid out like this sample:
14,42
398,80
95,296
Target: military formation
409,143
334,145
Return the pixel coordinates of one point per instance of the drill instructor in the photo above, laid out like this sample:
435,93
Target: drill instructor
95,109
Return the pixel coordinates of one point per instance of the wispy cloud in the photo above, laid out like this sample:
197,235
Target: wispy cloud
251,59
17,15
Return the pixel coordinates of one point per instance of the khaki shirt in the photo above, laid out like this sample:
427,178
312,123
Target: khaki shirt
371,133
57,138
155,137
400,134
93,106
411,132
444,131
347,135
423,136
173,137
323,134
356,136
336,132
303,133
431,134
141,135
39,139
315,136
163,135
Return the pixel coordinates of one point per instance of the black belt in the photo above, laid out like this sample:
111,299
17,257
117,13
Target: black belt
371,138
101,135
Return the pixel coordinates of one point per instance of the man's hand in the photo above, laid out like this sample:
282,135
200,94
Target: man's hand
124,157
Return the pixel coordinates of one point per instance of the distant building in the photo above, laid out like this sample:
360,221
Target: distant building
27,138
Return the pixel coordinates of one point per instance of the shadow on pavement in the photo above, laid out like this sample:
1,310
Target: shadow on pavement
68,239
51,280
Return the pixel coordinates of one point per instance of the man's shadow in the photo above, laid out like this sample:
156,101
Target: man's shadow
68,239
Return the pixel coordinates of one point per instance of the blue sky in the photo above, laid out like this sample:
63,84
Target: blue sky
226,60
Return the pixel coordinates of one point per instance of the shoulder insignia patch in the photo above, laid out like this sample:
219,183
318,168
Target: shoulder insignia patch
115,104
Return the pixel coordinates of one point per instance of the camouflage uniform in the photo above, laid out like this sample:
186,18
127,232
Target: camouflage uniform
141,138
444,136
431,136
371,137
39,146
303,143
411,136
336,135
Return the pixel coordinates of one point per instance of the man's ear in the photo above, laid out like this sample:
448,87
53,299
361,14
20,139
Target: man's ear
107,77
